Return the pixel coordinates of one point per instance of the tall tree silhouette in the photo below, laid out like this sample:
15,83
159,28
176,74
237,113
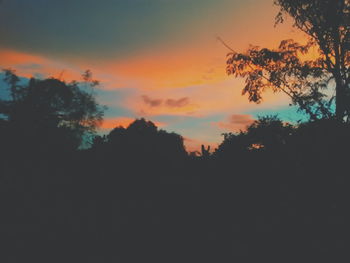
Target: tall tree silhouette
327,23
289,69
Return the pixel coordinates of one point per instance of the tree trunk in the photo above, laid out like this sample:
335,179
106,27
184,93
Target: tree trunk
339,89
339,102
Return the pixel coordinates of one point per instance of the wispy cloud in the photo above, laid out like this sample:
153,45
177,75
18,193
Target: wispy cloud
236,122
151,102
177,103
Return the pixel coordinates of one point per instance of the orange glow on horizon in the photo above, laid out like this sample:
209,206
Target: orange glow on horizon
27,65
13,57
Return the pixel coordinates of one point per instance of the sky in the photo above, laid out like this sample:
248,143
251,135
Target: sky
157,59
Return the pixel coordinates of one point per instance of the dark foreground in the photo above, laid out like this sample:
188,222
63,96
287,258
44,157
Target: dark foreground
101,205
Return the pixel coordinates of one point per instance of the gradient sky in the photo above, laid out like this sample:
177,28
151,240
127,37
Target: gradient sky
158,59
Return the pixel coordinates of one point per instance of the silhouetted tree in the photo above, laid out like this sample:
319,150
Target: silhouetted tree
288,69
234,145
327,24
143,139
50,110
268,133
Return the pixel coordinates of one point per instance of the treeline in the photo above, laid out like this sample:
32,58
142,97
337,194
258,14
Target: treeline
274,191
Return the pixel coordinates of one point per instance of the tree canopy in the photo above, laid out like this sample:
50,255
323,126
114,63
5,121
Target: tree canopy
50,106
142,139
292,69
267,133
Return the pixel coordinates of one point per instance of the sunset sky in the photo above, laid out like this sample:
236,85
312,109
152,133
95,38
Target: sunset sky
158,59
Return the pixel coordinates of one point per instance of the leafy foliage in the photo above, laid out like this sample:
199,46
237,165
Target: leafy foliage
289,68
327,23
283,70
40,106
